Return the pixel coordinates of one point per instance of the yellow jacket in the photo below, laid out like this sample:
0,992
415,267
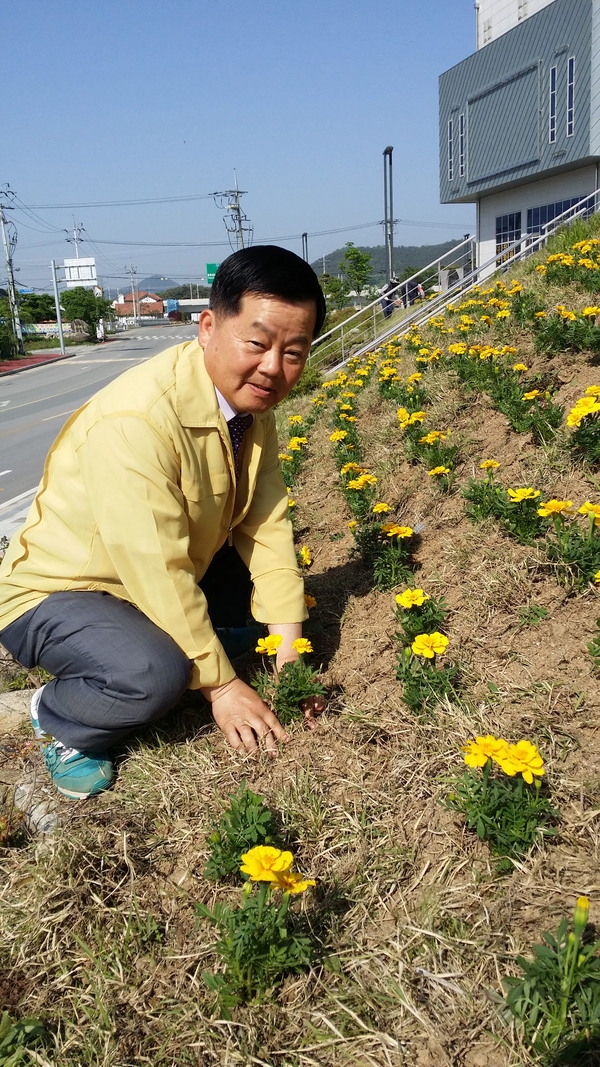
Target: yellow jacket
139,492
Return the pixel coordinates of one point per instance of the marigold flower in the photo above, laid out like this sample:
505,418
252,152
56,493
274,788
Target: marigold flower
393,530
531,395
416,377
590,509
294,419
411,598
582,911
517,495
486,747
489,464
351,468
267,646
555,507
302,646
438,471
593,390
291,882
264,863
310,601
520,366
591,312
338,435
430,645
522,758
379,509
417,416
504,314
352,524
291,503
304,556
284,457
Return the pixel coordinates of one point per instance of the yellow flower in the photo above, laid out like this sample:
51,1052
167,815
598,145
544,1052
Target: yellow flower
267,646
438,470
590,509
531,395
555,507
504,314
517,495
264,863
393,530
351,468
591,312
338,435
520,366
416,377
582,910
489,464
291,882
293,419
593,390
587,405
430,645
417,416
304,556
291,503
411,598
523,758
486,747
433,436
352,524
310,601
302,645
284,457
379,509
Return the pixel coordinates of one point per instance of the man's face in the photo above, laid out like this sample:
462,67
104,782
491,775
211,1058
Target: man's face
255,357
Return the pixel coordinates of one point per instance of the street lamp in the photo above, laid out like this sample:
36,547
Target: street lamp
388,210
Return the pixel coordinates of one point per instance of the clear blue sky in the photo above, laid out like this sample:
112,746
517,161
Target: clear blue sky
132,99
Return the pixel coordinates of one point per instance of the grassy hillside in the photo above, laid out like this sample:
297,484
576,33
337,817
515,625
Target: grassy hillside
417,919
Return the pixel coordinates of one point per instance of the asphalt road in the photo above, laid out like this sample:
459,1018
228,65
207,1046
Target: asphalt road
35,404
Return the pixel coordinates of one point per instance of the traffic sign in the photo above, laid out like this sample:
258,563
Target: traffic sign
211,270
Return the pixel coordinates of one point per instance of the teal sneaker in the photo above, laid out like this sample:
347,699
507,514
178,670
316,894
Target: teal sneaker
74,774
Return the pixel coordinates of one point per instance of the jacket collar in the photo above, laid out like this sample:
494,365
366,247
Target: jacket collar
196,398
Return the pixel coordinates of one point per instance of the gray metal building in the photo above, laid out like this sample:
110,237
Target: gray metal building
520,123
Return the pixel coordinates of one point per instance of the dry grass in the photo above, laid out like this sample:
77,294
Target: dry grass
97,927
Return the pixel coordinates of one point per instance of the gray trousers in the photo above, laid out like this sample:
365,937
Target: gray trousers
115,670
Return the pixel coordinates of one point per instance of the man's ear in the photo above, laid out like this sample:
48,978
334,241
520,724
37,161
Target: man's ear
206,324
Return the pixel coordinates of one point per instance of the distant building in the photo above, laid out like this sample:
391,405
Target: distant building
520,118
145,304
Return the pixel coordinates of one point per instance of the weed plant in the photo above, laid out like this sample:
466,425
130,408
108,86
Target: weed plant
556,1001
17,1038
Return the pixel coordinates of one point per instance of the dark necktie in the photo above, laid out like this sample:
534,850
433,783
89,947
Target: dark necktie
237,428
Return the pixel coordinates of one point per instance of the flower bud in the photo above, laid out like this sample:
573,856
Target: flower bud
582,910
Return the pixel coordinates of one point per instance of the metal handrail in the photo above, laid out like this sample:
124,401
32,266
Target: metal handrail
513,253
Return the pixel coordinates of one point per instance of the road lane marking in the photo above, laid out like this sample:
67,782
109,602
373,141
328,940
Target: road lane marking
15,499
5,472
60,415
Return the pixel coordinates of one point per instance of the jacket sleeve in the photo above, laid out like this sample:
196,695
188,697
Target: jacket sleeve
131,472
265,541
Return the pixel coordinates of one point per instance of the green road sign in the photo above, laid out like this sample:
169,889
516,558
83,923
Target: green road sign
211,270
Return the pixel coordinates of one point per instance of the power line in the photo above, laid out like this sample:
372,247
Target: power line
125,203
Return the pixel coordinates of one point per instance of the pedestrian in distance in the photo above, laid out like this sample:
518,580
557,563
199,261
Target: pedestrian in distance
160,521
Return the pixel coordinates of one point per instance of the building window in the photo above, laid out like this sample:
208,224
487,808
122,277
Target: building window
461,145
508,230
537,217
570,96
552,107
450,149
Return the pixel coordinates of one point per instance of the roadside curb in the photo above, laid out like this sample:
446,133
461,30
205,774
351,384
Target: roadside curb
30,366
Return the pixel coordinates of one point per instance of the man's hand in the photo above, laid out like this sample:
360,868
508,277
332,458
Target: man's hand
244,718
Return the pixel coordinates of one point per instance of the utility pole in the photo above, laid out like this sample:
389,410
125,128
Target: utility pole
76,238
237,224
388,210
305,247
132,271
9,246
57,306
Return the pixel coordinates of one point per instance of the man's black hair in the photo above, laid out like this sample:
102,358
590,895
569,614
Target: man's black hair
266,270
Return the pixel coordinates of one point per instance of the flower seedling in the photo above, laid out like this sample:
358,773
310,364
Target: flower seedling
425,680
246,822
262,940
504,803
292,688
557,1000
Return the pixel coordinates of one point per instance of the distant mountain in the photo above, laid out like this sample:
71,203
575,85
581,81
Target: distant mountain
404,256
155,283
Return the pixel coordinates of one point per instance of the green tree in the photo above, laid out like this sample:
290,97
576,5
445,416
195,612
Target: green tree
182,292
37,307
8,347
80,303
335,290
356,266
